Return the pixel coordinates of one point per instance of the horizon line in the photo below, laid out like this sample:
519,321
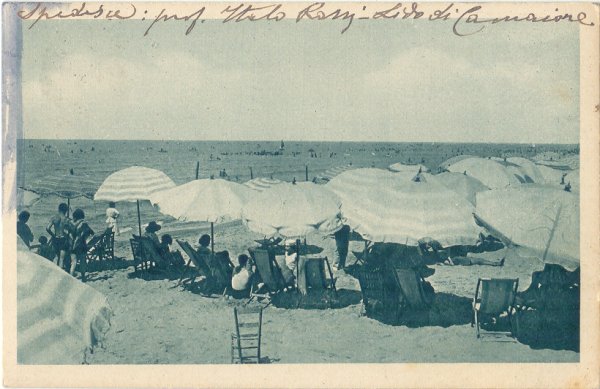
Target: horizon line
301,140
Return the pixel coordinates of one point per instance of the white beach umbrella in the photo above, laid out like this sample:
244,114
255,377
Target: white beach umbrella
491,173
572,178
465,186
293,211
133,184
261,183
398,209
404,168
527,169
453,160
213,201
540,220
551,176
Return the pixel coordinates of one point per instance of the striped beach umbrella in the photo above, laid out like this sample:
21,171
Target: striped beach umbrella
206,200
293,211
491,173
26,198
450,161
334,172
542,221
58,317
261,183
133,184
398,208
68,186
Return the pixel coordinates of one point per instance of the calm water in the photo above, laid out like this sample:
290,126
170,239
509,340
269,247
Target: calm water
100,158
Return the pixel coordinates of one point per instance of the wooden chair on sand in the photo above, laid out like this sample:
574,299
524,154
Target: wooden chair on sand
140,264
247,334
101,247
200,266
380,300
312,278
269,272
410,284
494,297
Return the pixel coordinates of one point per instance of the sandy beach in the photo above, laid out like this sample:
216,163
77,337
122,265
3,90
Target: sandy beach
156,322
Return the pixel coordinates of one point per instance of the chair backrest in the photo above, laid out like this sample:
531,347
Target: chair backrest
136,249
198,262
149,251
311,274
248,330
267,269
411,287
497,294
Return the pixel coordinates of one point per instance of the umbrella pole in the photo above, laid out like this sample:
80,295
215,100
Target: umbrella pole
212,237
139,219
68,206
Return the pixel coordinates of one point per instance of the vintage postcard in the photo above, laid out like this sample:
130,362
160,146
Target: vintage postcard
374,194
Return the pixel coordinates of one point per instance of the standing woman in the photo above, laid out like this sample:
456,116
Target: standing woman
59,229
81,233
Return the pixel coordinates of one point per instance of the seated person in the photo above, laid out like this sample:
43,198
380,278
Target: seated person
242,277
452,256
150,233
23,230
45,249
174,257
485,244
203,249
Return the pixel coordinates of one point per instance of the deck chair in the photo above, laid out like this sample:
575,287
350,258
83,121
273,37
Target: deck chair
494,297
246,336
268,271
153,257
410,284
102,247
380,301
312,277
139,262
200,266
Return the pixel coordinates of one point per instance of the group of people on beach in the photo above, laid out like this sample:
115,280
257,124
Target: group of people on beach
69,237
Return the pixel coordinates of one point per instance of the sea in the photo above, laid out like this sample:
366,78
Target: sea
242,160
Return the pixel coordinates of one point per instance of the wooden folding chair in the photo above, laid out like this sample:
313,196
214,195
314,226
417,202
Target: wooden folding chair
494,297
380,300
246,337
312,277
139,261
200,266
101,247
410,284
269,272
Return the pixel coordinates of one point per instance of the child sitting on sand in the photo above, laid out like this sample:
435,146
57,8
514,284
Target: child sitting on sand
45,249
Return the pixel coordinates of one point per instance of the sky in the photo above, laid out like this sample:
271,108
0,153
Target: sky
379,81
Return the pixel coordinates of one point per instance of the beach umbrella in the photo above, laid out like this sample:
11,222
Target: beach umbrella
328,174
206,200
527,169
293,211
542,221
491,173
68,186
26,198
465,186
450,161
572,178
551,176
261,183
58,318
133,184
400,167
398,208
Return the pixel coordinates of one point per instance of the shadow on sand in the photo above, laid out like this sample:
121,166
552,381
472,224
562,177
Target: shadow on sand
292,300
